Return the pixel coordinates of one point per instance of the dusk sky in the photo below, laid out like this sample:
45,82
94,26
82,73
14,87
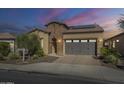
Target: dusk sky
21,20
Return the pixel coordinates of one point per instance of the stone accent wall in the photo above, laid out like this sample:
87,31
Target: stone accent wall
56,31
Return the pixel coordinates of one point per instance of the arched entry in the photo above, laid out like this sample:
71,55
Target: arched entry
54,45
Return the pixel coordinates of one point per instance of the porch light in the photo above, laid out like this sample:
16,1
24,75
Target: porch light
100,40
59,41
117,40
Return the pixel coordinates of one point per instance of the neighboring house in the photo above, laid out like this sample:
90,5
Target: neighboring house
7,37
116,42
60,39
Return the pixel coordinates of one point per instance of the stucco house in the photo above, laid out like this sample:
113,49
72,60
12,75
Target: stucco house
116,42
61,39
7,37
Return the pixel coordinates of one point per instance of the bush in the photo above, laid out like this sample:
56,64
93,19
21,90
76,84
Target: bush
39,52
1,57
105,51
112,59
4,48
35,57
13,56
110,55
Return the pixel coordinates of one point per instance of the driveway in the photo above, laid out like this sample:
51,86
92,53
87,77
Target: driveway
78,59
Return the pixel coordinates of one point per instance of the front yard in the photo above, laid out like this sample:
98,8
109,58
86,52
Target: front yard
48,59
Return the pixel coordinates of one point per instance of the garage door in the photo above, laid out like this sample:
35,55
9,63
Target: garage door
80,47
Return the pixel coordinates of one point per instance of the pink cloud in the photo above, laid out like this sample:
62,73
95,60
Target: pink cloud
84,17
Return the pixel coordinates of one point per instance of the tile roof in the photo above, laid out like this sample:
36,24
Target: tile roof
84,29
6,36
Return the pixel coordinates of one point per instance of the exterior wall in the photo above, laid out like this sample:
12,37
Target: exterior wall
98,36
12,44
43,39
56,31
119,46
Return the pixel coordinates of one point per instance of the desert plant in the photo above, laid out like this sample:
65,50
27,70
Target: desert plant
13,56
112,59
105,51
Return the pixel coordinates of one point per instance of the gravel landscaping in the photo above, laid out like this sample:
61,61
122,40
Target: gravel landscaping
48,59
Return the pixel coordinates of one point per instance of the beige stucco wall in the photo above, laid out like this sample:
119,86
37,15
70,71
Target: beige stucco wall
56,31
98,36
43,37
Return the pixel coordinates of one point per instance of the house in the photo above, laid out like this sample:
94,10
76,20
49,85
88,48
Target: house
61,39
7,37
116,42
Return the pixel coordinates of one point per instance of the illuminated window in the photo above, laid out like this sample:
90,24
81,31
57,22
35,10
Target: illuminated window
92,40
113,44
68,41
83,40
75,41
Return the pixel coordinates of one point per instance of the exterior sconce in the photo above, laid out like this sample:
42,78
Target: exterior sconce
100,40
117,40
59,40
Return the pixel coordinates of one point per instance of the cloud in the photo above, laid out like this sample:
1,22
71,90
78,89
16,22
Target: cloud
90,15
11,28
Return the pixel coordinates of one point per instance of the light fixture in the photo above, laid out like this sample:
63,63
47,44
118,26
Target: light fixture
100,40
59,40
117,40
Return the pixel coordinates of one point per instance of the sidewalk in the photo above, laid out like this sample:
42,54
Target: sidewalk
88,71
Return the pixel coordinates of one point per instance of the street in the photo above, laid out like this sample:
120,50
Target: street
19,77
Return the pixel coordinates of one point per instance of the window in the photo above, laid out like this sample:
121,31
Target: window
92,40
41,42
68,41
83,40
113,44
76,41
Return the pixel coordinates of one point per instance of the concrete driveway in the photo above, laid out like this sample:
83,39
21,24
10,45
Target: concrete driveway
78,59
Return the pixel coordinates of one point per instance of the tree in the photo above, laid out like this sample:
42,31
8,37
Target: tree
30,42
121,21
4,48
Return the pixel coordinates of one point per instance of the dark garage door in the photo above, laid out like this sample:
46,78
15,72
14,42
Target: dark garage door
80,47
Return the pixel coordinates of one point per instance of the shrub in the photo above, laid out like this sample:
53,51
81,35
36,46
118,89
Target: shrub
1,57
105,51
110,55
35,57
112,59
30,42
39,52
13,56
4,48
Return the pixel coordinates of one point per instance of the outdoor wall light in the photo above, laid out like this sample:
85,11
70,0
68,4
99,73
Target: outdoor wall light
117,40
100,40
59,40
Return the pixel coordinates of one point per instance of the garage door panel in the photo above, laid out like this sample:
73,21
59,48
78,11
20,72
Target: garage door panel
80,48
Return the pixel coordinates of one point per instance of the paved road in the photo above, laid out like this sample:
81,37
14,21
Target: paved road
19,77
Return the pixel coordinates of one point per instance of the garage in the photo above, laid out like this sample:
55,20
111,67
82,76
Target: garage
80,47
